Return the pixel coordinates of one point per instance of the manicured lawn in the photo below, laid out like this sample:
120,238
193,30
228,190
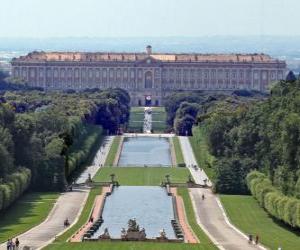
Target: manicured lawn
28,211
178,151
136,120
159,117
113,151
245,213
137,109
142,176
204,158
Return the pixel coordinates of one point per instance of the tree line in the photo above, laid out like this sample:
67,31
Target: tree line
44,137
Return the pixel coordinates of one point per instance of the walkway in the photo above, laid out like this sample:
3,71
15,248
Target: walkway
210,213
189,159
68,205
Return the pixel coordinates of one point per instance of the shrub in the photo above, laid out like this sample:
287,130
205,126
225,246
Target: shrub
14,186
284,208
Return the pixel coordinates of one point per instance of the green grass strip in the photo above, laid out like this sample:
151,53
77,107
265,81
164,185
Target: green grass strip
142,176
113,151
178,151
28,211
245,213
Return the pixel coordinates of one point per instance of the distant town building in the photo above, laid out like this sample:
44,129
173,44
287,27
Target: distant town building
148,76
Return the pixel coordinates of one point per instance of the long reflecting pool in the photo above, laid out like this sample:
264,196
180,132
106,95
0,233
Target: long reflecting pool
150,206
143,150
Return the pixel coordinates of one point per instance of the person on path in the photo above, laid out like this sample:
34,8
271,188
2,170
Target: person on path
17,243
8,244
203,196
250,238
256,239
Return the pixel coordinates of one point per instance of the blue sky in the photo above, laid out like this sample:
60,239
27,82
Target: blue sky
150,18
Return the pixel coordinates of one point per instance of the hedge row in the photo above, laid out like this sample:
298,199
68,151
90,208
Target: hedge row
14,186
81,152
284,208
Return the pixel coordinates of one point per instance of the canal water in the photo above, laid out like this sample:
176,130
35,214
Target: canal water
150,206
145,150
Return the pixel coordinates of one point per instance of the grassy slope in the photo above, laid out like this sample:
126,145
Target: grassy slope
246,214
136,119
112,152
178,151
159,117
200,148
28,211
141,176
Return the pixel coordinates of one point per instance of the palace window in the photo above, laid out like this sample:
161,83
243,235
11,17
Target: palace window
97,73
119,73
273,76
32,74
132,73
90,73
241,74
264,75
111,73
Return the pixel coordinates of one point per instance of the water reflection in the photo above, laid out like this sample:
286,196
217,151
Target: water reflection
150,151
151,206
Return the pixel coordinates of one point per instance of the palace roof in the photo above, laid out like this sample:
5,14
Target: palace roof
132,57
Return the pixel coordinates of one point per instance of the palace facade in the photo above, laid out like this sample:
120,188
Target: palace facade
148,76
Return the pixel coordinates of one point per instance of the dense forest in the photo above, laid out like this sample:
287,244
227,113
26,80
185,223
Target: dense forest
264,136
44,137
184,108
252,142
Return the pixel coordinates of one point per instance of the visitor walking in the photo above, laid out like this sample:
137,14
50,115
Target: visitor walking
203,196
250,238
256,239
8,244
17,243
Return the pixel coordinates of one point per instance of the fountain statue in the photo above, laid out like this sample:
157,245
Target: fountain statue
162,235
105,235
133,231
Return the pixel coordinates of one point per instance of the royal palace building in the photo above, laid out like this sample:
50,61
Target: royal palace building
148,77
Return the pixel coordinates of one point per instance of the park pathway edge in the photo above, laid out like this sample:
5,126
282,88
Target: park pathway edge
210,214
